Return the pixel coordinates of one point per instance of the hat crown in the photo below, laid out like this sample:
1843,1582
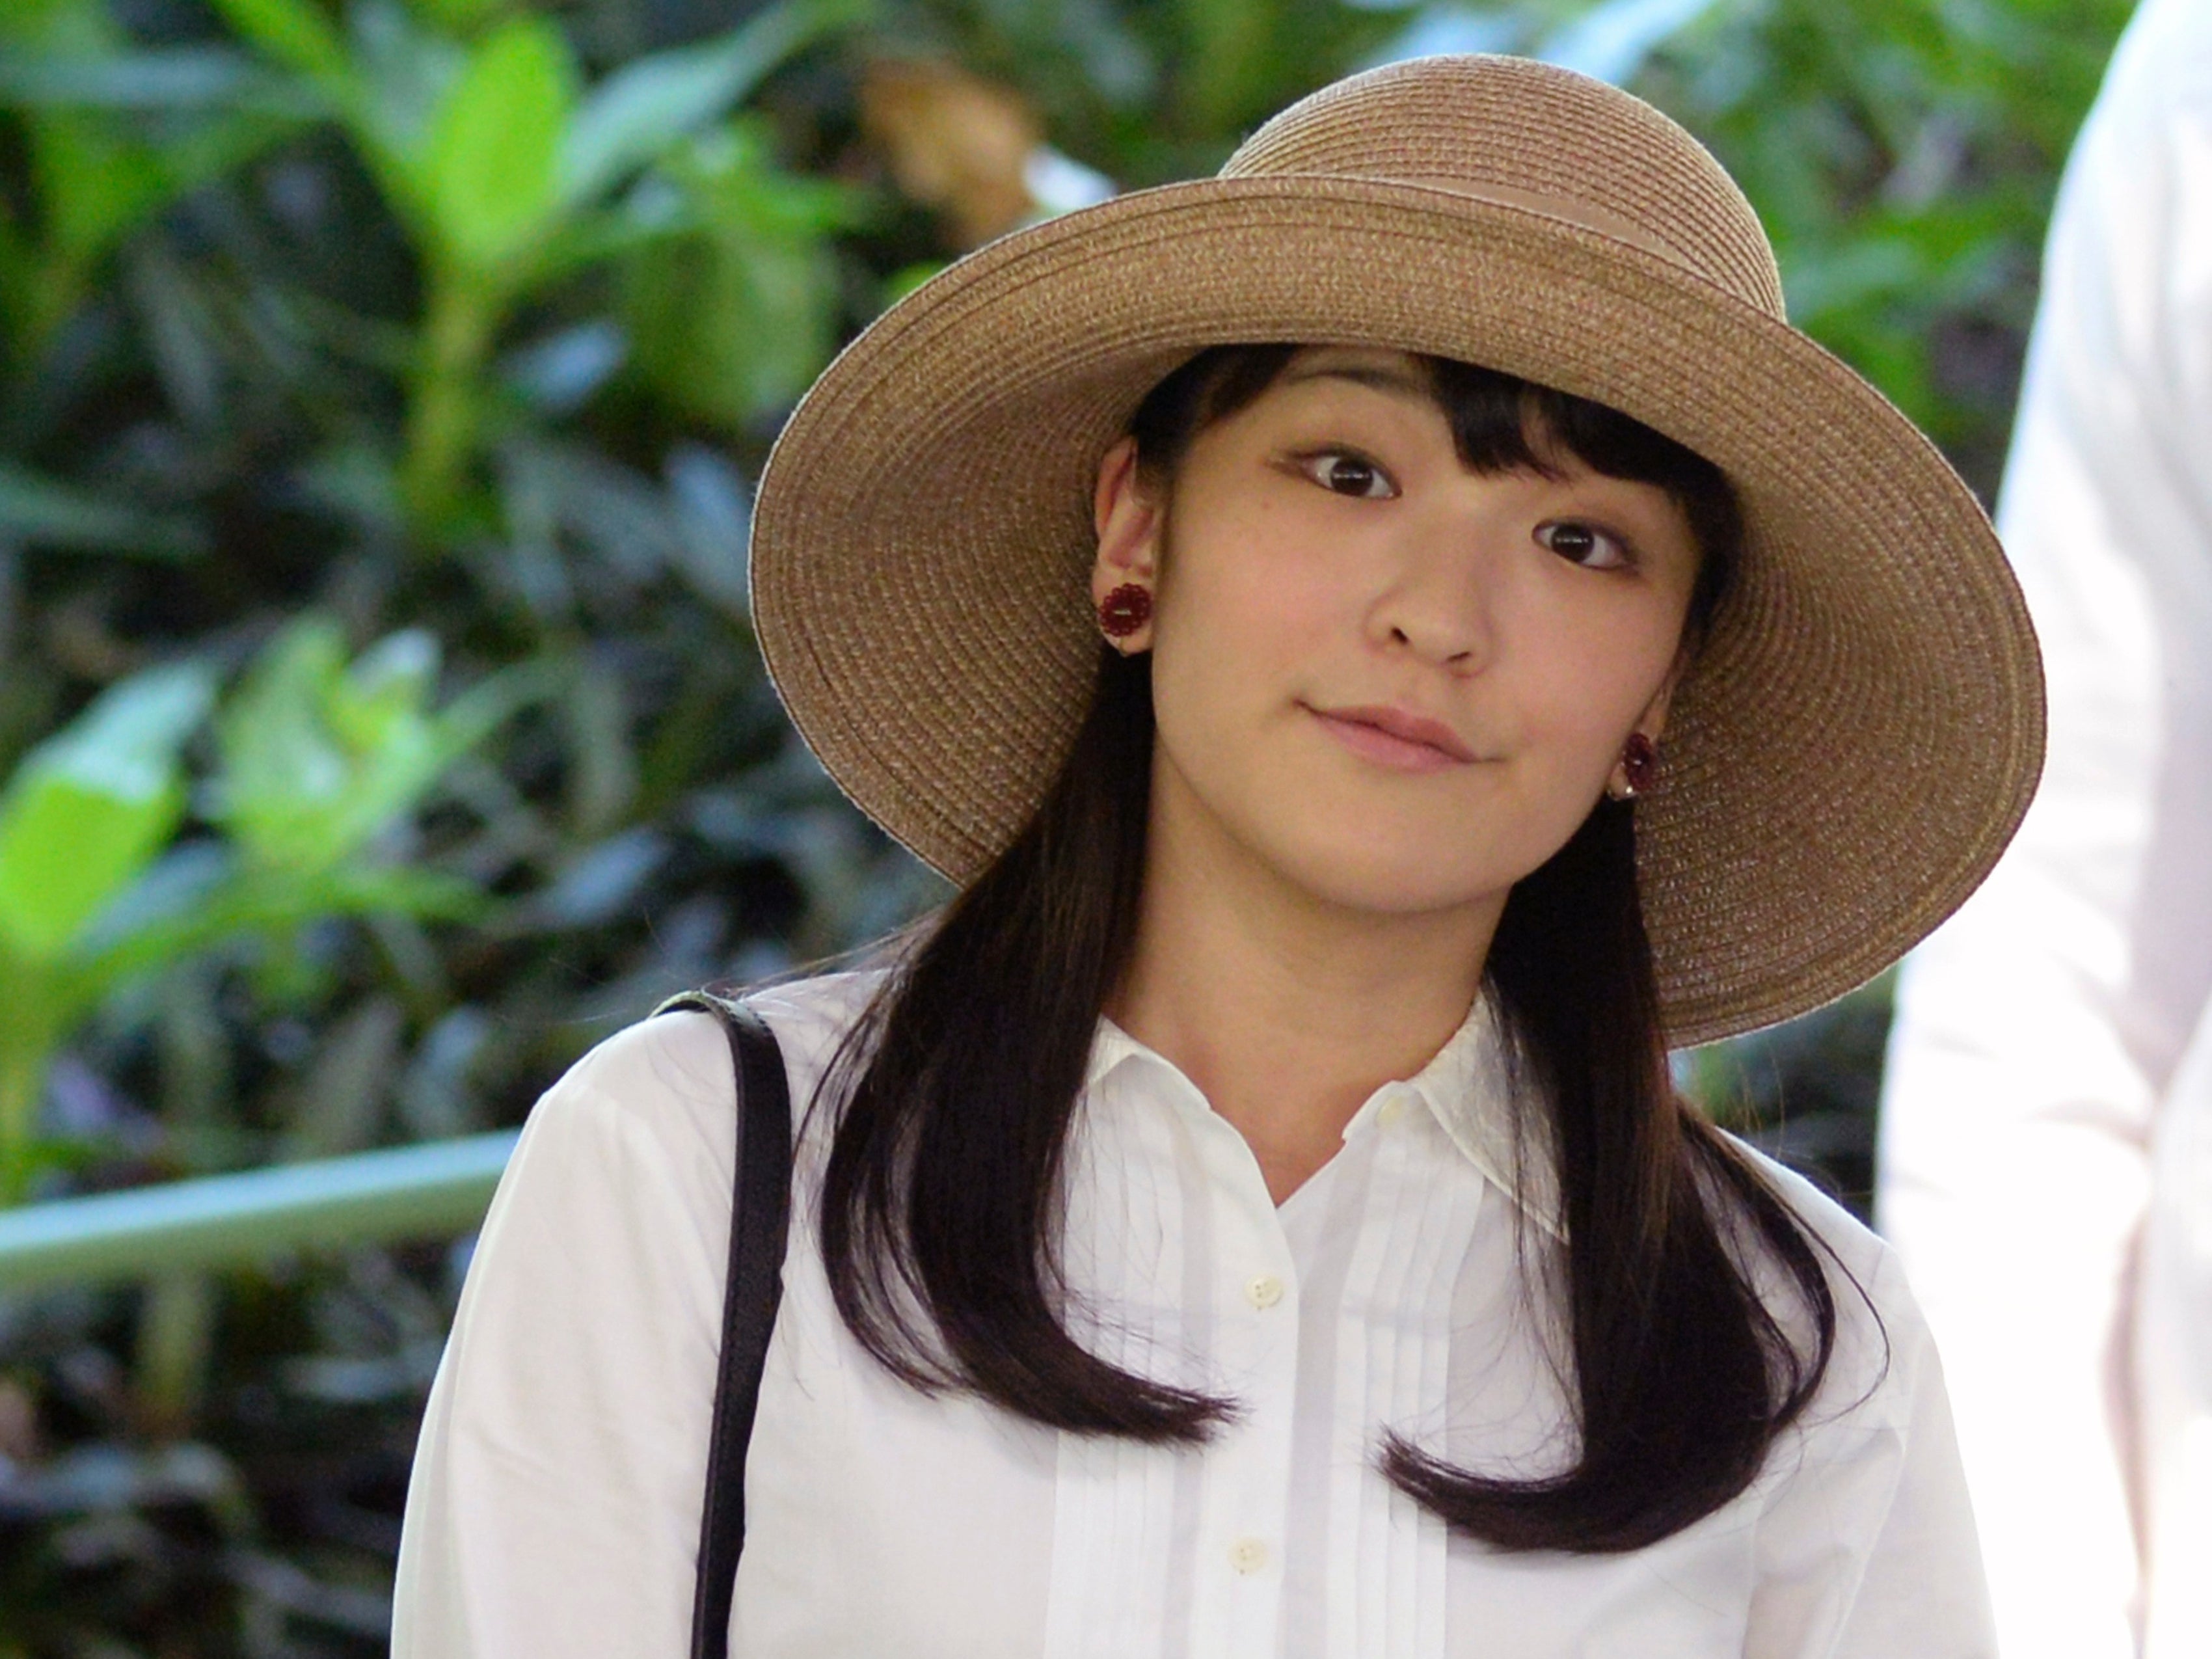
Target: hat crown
1535,136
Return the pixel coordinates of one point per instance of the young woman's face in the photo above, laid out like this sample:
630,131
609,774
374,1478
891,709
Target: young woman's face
1399,684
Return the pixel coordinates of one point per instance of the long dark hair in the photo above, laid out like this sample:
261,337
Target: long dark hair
940,1207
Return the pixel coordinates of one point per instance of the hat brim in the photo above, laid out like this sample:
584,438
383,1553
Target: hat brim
1852,750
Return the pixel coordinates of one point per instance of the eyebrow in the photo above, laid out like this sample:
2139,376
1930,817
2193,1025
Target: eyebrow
1391,379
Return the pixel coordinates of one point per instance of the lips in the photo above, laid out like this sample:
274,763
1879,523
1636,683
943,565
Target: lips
1395,738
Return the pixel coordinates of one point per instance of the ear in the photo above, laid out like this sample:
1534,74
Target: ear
1652,723
1127,521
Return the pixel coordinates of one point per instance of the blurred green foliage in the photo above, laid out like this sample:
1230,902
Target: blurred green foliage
381,384
1902,153
315,758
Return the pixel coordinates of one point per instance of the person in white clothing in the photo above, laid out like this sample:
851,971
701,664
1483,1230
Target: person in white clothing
2046,1146
1384,640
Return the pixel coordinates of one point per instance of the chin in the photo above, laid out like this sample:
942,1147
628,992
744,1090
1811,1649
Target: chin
1388,878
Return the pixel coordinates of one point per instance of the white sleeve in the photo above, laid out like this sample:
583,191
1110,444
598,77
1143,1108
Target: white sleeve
1867,1549
553,1510
2037,1031
1923,1594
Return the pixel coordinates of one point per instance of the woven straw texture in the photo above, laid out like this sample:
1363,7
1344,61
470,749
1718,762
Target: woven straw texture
1855,746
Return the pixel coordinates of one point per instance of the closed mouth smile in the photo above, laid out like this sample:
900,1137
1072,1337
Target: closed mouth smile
1395,738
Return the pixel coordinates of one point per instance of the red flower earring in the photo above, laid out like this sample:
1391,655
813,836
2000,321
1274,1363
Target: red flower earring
1639,765
1124,611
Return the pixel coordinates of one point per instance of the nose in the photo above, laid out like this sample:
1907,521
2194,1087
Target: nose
1436,599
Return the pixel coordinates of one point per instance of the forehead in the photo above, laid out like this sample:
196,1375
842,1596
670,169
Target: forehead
1395,373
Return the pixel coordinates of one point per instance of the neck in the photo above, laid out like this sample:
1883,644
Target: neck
1287,1011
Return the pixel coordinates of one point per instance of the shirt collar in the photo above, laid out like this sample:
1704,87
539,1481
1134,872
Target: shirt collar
1466,1088
1112,1047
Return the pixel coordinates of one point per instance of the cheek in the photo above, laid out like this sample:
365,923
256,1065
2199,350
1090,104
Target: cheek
1256,563
1586,683
1245,609
1247,627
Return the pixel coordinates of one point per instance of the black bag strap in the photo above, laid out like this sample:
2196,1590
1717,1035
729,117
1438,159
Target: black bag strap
759,1222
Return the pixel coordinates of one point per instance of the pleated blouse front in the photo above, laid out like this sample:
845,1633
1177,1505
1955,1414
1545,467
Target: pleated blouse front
555,1501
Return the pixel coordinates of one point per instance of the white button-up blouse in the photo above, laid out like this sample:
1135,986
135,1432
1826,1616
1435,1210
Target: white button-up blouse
554,1506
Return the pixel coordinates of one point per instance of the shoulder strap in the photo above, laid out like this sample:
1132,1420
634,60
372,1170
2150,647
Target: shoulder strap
760,1221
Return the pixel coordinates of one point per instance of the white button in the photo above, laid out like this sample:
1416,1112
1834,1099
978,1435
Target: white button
1264,1293
1249,1556
1390,1110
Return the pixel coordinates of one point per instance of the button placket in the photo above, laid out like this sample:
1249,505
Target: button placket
1250,1556
1247,1485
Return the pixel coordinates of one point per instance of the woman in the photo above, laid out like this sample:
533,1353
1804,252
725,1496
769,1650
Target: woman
1255,1217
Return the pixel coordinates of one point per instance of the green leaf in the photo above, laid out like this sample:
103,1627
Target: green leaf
74,26
459,17
285,777
282,773
317,758
1224,65
637,113
272,904
386,688
295,34
95,182
89,809
734,322
39,510
490,170
405,73
425,895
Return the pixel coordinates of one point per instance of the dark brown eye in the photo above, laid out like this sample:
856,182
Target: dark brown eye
1582,543
1349,475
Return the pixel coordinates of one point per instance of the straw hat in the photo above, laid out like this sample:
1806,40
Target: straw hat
1855,746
